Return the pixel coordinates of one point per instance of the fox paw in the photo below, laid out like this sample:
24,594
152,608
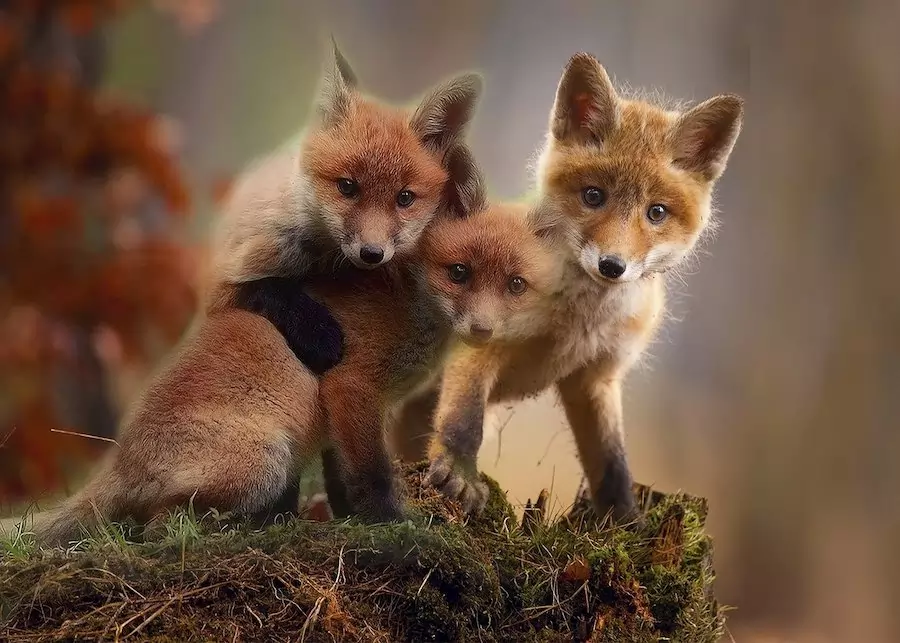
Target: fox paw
458,482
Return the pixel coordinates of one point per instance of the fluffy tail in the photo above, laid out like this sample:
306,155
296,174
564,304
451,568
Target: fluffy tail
103,498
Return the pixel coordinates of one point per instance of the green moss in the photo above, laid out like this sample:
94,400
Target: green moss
436,577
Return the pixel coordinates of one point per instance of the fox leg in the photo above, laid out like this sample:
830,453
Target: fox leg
411,428
459,431
593,405
355,422
334,485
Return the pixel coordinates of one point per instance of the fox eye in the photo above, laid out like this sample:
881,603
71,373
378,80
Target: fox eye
405,198
459,273
656,213
348,187
593,197
517,285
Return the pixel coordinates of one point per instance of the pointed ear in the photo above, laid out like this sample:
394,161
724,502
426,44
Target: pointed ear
336,88
465,192
586,104
705,135
444,114
543,218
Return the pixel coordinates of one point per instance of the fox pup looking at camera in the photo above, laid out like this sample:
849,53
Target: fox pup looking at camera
360,185
626,188
481,279
228,421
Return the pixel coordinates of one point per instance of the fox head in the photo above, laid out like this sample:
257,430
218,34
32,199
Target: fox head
490,273
632,182
379,174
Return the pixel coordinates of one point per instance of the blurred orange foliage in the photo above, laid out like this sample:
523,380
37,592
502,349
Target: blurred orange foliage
92,267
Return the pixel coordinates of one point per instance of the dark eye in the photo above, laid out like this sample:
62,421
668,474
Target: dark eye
348,187
405,198
459,273
593,197
517,285
656,213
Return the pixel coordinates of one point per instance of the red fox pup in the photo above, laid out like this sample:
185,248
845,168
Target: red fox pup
626,189
229,420
362,182
483,279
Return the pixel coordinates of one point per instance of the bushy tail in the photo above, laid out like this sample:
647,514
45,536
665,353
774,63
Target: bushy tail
103,498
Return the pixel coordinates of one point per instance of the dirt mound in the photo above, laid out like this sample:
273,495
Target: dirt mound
437,577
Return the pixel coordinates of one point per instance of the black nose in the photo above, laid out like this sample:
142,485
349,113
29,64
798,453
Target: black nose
481,332
371,254
611,267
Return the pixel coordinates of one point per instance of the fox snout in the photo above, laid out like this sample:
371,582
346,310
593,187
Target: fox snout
474,331
607,264
368,255
480,332
369,240
612,266
371,254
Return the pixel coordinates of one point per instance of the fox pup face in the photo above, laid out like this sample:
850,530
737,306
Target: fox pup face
632,181
378,173
490,273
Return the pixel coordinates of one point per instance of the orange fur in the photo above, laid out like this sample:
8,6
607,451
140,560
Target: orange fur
288,214
607,162
233,415
399,322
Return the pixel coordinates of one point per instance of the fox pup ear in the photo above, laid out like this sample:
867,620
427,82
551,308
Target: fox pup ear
465,188
337,86
586,104
443,115
706,134
543,218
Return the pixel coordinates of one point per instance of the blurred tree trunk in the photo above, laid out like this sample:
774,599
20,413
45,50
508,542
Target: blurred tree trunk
82,392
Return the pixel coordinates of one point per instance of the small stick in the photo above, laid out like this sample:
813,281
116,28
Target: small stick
8,436
82,435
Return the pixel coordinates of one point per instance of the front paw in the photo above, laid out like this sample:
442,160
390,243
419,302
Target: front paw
458,481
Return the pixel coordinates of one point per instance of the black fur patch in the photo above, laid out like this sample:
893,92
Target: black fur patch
615,489
311,332
334,485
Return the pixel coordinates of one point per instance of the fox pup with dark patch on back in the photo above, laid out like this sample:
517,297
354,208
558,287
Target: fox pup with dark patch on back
229,420
626,189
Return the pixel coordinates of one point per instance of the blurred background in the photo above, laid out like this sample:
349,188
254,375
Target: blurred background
774,390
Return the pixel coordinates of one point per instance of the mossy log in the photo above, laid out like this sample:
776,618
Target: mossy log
437,577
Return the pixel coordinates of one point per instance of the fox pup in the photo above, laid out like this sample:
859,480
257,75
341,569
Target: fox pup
229,420
360,185
481,279
627,190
